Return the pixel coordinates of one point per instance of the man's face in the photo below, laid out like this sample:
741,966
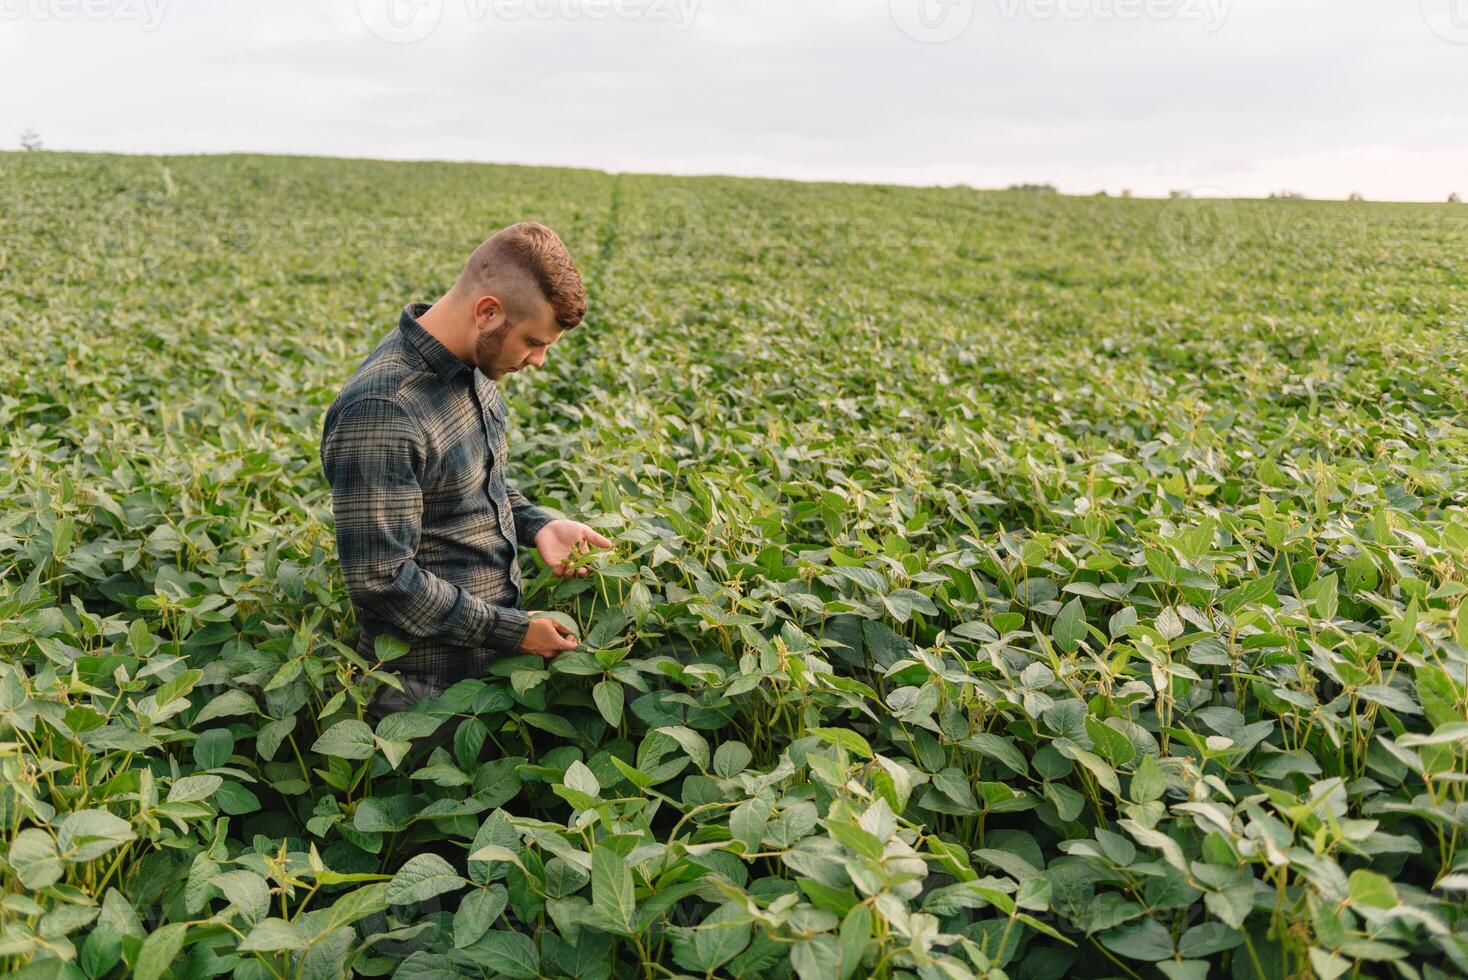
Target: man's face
504,346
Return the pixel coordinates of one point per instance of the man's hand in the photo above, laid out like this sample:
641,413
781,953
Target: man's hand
546,638
561,541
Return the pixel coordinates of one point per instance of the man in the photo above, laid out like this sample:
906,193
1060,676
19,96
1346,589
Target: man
414,450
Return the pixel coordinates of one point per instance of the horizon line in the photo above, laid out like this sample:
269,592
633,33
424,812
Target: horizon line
1027,187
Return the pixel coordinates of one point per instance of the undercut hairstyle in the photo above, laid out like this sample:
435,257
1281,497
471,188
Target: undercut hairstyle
523,259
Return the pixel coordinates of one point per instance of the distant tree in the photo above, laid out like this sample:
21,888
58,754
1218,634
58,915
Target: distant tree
1102,193
1178,194
1453,198
1034,188
30,140
1355,196
1287,196
1126,192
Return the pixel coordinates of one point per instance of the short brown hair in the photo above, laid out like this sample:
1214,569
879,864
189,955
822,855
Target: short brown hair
532,253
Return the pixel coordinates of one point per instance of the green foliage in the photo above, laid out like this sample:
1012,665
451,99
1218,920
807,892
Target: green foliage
992,595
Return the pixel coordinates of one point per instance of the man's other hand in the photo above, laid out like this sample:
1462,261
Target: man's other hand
546,638
562,542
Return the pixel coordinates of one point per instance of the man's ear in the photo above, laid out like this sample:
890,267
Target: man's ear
486,308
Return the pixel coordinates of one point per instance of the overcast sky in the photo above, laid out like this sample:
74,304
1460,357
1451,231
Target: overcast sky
1239,97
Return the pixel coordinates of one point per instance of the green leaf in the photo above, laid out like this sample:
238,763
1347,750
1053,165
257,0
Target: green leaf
101,951
227,704
509,954
1105,775
422,877
748,821
815,958
272,936
998,748
213,748
1437,693
1232,905
1111,744
844,737
693,743
387,648
349,739
607,628
1372,890
856,930
722,935
554,724
234,799
1145,940
1120,620
34,858
477,913
181,685
326,959
423,965
246,891
1324,595
609,698
731,758
1184,969
1070,626
561,618
1149,782
582,779
192,789
1208,938
1008,862
88,834
119,915
1327,965
1390,697
611,887
953,784
1249,594
859,840
369,900
1405,629
159,951
496,832
405,726
1169,623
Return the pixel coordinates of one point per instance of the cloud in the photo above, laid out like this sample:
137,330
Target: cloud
1264,95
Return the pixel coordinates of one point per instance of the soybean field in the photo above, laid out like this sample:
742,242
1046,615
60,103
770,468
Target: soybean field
1005,584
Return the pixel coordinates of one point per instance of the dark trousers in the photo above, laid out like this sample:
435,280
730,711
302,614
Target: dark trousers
416,688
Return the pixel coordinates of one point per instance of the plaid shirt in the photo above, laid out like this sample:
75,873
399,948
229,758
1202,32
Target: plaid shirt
426,526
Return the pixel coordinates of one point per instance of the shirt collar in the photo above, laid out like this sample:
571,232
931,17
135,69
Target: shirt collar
444,362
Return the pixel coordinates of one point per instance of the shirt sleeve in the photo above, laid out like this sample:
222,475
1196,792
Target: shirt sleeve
373,459
529,518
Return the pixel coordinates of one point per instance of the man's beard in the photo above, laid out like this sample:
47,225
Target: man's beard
487,347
